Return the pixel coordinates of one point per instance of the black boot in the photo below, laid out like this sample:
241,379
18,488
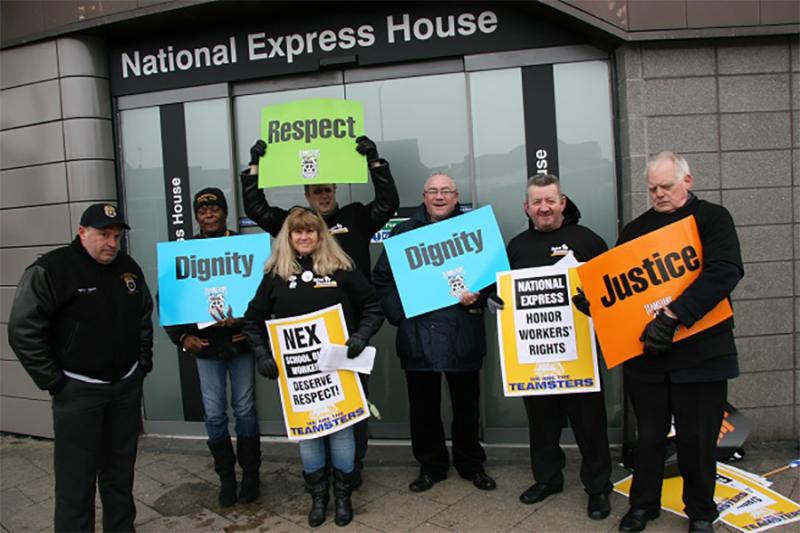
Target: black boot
317,486
249,451
224,466
341,491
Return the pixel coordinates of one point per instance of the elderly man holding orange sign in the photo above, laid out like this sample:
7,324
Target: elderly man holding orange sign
660,303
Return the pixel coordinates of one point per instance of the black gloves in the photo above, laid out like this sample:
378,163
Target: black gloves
494,303
257,151
581,303
355,345
365,146
266,363
658,333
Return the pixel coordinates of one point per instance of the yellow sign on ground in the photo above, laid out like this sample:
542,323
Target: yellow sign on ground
546,345
743,500
315,403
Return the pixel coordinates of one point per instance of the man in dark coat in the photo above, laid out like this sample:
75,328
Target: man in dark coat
80,325
687,379
449,341
555,232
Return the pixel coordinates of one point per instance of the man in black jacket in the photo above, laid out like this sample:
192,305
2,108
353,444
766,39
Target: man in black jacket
555,232
222,353
687,379
80,325
449,341
352,225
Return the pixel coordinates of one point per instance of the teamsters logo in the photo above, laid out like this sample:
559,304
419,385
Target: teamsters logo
308,163
129,279
110,211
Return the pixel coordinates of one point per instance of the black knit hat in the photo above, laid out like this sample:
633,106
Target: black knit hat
210,196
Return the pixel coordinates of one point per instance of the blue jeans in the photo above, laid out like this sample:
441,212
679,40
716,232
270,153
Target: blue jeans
343,451
213,387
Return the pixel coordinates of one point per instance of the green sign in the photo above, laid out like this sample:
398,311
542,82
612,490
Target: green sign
311,142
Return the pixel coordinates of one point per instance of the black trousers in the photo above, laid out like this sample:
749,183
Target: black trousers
361,430
97,430
698,410
427,430
587,415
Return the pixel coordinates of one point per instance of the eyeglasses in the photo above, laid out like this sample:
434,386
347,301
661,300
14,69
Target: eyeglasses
437,192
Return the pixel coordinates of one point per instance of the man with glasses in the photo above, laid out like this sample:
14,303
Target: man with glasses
449,341
352,225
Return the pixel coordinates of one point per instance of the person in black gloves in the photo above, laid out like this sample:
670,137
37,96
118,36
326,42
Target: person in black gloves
555,231
352,225
221,353
306,272
81,326
686,380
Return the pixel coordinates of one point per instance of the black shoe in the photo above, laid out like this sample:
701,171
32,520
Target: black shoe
700,526
482,480
424,482
357,479
599,507
538,492
636,519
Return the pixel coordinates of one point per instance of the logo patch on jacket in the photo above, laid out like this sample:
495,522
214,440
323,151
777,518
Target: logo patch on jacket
338,229
129,279
559,250
321,283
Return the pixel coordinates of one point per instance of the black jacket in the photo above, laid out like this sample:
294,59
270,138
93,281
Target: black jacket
276,298
711,354
353,225
533,248
72,313
223,342
451,339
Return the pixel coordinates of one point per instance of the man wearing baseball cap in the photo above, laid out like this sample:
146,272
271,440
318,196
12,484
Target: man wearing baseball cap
80,325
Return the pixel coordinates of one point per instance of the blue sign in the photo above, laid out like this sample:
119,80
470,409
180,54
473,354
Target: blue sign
434,264
199,275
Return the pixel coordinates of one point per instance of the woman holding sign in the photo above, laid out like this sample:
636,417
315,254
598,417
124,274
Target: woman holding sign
306,272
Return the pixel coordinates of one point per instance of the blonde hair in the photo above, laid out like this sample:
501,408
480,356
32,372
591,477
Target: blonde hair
328,256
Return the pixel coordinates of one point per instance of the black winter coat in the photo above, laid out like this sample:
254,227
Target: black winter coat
353,225
451,339
72,313
711,354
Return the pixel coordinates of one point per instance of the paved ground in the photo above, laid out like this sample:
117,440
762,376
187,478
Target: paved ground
176,491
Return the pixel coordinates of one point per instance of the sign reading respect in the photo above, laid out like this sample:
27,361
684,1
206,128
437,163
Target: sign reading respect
312,141
627,286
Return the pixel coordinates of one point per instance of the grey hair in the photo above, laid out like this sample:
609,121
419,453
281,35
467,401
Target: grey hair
679,163
543,180
439,173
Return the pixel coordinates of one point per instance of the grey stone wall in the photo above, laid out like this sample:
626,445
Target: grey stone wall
56,157
731,107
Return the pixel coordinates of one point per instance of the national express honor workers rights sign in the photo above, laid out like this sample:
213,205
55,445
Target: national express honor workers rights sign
315,403
627,285
312,141
546,347
197,275
434,264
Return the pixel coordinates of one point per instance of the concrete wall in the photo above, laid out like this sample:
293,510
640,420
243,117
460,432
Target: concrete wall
731,106
56,157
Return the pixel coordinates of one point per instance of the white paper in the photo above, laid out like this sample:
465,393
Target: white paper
204,325
334,357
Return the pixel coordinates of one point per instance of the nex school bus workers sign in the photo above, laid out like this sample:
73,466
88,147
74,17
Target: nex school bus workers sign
627,285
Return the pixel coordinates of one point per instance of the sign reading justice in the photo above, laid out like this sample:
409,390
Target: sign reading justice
312,141
627,286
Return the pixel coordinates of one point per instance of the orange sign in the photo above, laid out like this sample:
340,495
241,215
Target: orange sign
627,285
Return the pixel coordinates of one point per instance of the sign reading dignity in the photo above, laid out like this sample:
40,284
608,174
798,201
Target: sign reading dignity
312,141
545,347
434,264
627,285
199,275
315,403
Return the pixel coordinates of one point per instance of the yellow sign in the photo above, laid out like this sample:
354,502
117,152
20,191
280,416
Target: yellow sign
546,345
743,500
627,285
315,403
